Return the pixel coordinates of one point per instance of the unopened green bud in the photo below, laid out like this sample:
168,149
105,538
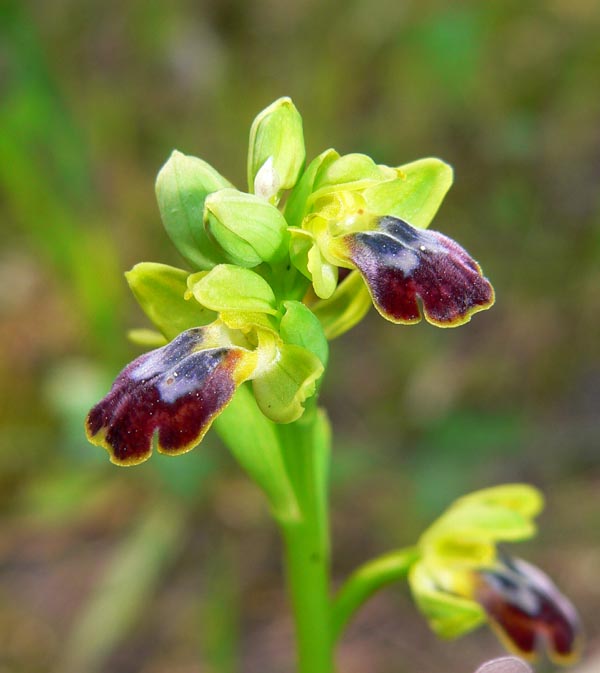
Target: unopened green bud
182,186
248,229
276,152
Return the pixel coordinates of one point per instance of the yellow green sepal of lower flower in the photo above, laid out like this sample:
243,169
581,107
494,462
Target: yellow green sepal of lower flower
461,541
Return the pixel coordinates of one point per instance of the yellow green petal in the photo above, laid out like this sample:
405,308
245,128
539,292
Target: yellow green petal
449,616
281,391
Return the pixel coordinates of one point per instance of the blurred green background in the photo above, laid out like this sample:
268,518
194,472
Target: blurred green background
174,565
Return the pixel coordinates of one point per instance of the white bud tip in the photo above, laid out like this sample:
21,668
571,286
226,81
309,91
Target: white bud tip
267,182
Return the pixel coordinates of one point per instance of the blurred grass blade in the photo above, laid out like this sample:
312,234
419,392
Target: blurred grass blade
219,613
46,181
123,593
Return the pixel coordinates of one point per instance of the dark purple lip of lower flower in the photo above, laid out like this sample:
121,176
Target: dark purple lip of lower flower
529,610
402,264
175,390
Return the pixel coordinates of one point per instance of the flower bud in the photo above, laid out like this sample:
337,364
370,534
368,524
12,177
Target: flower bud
276,136
248,229
182,186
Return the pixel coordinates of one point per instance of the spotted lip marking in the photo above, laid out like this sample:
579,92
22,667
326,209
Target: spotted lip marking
526,606
176,389
400,264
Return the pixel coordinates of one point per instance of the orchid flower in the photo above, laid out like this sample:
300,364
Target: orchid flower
462,579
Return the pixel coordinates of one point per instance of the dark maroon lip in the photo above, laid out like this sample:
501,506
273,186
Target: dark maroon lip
175,391
402,264
528,608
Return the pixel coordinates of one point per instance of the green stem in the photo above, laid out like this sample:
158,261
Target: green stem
365,581
306,451
307,566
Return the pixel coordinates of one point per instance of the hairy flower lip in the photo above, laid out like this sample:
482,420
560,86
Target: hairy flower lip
175,391
401,265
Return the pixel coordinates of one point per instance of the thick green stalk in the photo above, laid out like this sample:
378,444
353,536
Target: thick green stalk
365,581
306,451
307,570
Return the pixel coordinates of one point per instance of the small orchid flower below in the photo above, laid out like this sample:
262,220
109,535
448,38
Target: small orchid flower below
462,579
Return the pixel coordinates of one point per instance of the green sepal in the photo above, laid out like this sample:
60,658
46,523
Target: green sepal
415,195
346,307
296,205
231,288
254,441
277,141
521,498
160,290
480,522
300,326
182,186
282,390
501,513
349,172
449,616
249,229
